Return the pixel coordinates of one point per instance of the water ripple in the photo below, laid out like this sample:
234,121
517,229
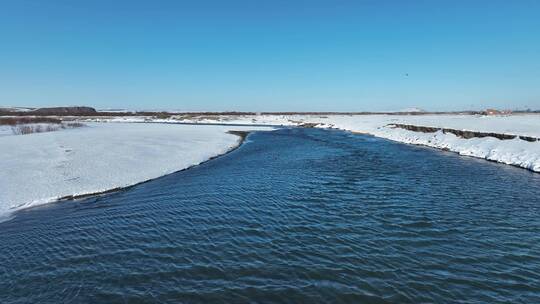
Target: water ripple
295,216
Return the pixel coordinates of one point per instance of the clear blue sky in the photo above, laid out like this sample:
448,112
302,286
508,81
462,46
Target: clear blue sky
270,55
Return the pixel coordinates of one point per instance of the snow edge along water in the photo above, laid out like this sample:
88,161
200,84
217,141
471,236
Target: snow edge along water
12,211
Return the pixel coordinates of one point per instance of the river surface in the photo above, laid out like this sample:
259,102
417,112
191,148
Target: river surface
292,216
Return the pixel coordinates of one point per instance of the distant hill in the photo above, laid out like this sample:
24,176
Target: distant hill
75,111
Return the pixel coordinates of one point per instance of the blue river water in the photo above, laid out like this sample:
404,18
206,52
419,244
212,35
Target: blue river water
292,216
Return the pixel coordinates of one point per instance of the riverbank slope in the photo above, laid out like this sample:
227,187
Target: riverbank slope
508,139
43,167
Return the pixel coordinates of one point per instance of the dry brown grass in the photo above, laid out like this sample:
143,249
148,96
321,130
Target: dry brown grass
73,125
40,126
13,121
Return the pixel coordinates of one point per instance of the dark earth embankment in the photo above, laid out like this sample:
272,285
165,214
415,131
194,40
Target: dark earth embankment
462,133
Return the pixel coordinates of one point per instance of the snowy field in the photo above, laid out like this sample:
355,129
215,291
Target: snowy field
522,124
43,167
5,130
515,152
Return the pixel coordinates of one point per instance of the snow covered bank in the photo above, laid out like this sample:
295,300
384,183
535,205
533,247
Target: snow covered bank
43,167
515,152
21,125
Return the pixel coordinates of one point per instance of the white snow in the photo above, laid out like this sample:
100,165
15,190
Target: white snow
43,167
39,168
16,109
5,130
513,152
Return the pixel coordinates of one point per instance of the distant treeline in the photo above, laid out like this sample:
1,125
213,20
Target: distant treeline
13,121
56,111
88,111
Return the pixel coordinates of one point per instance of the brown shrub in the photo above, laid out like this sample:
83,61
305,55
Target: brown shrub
74,125
13,121
23,129
50,128
162,115
29,129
